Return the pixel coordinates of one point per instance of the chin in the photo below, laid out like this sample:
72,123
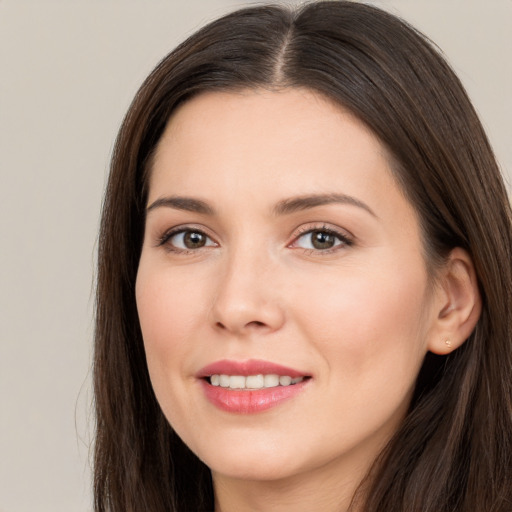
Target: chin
251,463
254,470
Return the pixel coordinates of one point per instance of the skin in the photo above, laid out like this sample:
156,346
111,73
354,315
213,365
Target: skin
358,318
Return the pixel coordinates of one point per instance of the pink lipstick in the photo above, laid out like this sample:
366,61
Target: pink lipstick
250,386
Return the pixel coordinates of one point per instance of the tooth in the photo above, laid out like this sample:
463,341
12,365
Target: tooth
237,382
255,381
271,380
285,380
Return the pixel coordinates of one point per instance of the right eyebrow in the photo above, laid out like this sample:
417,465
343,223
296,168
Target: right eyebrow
182,203
295,204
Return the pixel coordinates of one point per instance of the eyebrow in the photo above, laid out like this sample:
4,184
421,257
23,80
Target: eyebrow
187,204
284,207
295,204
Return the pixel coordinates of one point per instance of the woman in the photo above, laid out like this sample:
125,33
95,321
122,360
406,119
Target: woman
304,285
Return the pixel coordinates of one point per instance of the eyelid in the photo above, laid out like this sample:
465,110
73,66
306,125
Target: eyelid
163,239
346,238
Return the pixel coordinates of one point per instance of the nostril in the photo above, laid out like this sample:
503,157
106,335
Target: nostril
254,324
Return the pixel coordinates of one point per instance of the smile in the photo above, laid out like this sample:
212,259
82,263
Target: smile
251,386
253,381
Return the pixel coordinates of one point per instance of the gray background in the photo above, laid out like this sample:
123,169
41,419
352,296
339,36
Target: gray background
68,70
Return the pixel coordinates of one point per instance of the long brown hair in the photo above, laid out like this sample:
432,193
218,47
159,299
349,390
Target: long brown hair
454,449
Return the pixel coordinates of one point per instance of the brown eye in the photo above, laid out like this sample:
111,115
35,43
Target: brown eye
187,240
322,240
194,240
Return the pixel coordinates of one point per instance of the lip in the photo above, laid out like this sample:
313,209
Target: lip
245,368
249,401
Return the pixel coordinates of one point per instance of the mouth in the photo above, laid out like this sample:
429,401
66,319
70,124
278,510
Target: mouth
253,382
251,386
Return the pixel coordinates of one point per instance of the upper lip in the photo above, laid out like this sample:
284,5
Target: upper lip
248,367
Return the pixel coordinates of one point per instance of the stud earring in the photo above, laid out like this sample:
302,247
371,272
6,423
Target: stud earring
448,343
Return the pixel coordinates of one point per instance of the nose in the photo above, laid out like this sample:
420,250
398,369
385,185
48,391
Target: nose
246,300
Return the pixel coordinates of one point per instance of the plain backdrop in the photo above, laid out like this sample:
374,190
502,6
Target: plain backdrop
68,70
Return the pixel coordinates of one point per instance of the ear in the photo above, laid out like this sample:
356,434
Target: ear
458,303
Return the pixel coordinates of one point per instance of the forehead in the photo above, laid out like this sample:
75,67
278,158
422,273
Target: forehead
255,134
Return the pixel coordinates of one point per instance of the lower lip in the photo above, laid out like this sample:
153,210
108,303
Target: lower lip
253,401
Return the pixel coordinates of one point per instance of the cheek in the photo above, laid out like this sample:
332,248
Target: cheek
169,310
370,334
370,322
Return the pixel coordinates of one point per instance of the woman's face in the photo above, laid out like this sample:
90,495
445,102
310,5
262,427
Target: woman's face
281,260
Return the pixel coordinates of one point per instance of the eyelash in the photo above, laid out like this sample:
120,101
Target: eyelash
343,239
163,241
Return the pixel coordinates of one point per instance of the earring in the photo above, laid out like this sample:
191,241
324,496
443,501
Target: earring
448,343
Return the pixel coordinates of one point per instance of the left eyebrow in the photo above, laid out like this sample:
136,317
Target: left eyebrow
188,204
295,204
